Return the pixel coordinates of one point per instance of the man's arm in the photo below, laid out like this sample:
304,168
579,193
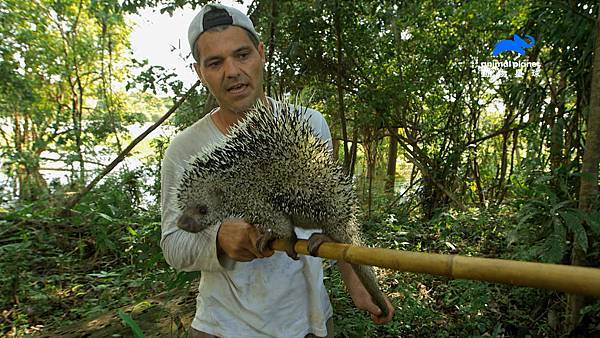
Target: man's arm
235,240
360,296
185,251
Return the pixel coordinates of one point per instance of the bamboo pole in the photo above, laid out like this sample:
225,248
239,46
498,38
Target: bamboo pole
565,278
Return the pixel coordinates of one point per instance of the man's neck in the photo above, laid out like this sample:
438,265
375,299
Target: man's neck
225,118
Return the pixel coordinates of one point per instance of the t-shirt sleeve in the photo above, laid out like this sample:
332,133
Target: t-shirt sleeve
184,250
326,134
319,124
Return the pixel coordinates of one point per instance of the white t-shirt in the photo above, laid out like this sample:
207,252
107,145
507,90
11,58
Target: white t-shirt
269,297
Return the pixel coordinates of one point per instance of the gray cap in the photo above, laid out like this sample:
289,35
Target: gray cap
213,15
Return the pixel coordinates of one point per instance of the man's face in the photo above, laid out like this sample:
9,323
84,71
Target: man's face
231,67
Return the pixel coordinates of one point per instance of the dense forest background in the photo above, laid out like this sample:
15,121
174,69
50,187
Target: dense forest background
450,154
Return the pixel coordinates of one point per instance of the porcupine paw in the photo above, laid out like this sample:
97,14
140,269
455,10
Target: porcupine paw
314,242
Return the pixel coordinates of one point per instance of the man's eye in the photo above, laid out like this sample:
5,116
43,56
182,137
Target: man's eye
213,64
243,55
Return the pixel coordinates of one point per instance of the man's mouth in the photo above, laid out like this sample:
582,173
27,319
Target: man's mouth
236,89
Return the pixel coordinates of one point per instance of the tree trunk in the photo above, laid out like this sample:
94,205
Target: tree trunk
370,197
76,127
514,153
556,124
477,178
556,145
500,187
353,151
106,86
31,185
340,89
501,174
272,28
336,147
588,190
428,168
370,146
391,163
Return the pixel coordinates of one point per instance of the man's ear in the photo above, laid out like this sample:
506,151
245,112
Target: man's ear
197,69
261,51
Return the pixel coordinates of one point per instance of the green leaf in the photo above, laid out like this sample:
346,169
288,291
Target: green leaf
132,231
555,244
559,206
106,217
104,274
593,220
573,220
570,217
131,323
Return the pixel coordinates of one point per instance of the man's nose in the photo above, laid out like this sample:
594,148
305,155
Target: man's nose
231,67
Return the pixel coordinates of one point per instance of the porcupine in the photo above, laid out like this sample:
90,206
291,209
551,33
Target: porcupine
275,173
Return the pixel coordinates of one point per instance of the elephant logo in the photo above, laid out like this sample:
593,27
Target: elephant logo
517,45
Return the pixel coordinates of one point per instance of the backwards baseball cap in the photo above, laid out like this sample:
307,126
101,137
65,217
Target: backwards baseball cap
214,15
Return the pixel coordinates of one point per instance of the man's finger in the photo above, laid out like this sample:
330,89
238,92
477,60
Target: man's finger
244,256
268,252
374,310
379,320
382,320
253,236
253,250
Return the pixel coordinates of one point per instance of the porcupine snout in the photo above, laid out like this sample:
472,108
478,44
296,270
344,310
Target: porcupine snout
194,218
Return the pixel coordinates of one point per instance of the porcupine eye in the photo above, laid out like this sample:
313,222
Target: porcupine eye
202,209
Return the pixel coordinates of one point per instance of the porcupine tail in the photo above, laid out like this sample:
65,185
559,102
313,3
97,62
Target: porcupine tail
367,277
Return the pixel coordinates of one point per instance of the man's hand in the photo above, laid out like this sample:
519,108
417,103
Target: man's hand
237,239
361,297
363,301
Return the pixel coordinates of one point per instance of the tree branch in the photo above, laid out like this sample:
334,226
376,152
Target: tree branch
496,133
73,201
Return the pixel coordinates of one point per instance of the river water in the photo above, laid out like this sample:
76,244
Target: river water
58,170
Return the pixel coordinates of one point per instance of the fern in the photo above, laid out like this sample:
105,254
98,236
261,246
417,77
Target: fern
593,221
573,220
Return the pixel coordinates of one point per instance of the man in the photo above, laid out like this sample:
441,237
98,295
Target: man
242,292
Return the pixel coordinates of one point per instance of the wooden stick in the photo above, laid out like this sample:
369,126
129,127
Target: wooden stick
565,278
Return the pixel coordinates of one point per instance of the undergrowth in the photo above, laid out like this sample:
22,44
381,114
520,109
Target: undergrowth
56,270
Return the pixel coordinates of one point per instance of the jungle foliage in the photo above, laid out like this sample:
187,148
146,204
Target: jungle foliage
447,158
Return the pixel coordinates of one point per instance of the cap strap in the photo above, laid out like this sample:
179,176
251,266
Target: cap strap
216,17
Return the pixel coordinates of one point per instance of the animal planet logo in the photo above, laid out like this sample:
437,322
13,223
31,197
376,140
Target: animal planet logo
499,69
517,45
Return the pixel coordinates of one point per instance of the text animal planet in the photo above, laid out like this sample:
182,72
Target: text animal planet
517,45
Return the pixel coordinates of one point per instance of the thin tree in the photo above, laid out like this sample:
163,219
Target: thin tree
588,189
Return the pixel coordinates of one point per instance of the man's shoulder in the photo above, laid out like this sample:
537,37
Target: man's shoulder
195,128
189,140
315,117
